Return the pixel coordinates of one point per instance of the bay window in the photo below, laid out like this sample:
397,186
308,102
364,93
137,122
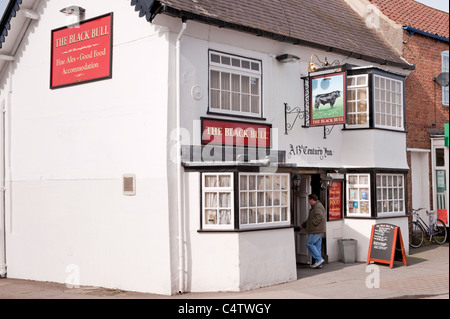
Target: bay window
388,103
263,200
375,99
260,201
372,195
358,100
358,195
390,194
217,199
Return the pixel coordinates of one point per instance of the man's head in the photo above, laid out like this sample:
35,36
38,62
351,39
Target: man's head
312,198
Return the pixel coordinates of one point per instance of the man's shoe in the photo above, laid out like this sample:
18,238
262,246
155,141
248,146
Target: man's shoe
317,263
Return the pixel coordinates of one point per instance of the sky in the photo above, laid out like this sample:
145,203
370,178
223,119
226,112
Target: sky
437,4
3,4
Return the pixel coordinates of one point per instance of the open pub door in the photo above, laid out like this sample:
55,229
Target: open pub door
301,209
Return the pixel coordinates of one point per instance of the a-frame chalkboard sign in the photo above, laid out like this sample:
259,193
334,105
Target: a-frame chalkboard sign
386,245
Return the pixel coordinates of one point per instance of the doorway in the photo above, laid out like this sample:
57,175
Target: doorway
310,184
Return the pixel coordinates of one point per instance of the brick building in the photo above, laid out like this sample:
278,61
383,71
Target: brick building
420,34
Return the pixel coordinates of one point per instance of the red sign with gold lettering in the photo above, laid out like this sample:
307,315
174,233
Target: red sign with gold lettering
82,52
335,201
235,133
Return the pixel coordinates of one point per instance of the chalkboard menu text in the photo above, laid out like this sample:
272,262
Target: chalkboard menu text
386,245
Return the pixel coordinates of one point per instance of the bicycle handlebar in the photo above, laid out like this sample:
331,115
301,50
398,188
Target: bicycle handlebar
415,211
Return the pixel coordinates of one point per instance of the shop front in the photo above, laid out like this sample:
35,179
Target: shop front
246,183
175,152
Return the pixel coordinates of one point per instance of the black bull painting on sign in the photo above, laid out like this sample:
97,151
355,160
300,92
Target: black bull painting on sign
326,98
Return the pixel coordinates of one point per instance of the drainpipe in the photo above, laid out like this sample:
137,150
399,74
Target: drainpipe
3,197
180,210
2,194
4,105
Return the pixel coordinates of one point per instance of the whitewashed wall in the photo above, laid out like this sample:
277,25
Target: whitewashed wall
233,261
282,83
67,150
67,218
360,230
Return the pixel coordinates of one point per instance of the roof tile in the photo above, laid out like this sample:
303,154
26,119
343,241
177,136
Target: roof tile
417,15
329,24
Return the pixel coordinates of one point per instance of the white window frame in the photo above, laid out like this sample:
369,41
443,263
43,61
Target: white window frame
359,193
229,95
358,87
388,103
445,68
261,200
213,222
390,195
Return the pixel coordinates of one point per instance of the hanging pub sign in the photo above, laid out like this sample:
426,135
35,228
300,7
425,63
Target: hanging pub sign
328,99
82,52
221,132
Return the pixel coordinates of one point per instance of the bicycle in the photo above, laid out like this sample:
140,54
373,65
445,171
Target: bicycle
436,229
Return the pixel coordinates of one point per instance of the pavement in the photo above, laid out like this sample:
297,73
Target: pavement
425,277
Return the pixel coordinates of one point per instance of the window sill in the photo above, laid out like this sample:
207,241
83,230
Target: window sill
376,217
241,230
256,117
373,128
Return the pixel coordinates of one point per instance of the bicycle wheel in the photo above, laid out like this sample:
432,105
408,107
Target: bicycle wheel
415,235
439,232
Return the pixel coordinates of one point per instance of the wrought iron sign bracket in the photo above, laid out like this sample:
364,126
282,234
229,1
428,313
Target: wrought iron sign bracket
327,131
295,111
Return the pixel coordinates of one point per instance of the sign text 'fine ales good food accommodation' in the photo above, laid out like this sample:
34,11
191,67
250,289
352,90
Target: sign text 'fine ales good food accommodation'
82,52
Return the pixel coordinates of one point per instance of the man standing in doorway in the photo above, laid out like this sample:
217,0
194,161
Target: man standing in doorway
315,227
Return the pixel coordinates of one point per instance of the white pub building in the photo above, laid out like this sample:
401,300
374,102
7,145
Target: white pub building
170,146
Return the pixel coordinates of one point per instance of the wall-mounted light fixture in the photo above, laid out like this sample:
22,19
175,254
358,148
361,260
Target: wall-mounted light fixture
74,14
73,10
287,58
313,67
327,182
296,181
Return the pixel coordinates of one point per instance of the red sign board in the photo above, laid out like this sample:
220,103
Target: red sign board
335,201
82,52
235,133
442,215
